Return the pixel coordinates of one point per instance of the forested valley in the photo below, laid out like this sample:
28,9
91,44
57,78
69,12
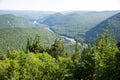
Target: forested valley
93,62
82,45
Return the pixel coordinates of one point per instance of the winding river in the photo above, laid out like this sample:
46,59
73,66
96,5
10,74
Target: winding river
65,37
62,36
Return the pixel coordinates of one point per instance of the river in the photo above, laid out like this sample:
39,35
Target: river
65,37
62,36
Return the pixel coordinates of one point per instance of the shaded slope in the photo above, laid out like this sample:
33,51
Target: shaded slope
114,27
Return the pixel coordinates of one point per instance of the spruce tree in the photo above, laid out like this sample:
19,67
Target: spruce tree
76,55
104,53
57,49
34,45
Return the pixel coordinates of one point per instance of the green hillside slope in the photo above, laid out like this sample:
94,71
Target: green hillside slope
17,37
15,30
114,27
76,24
9,20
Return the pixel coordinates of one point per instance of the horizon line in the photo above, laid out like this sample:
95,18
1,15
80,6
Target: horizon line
53,10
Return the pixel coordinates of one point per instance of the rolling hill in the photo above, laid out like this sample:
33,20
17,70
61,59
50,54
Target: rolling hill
15,30
17,37
76,24
10,20
114,27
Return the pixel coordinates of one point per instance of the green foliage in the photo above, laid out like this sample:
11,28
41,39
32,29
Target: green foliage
34,45
84,69
16,38
93,63
98,62
77,55
57,49
117,63
104,52
65,68
114,23
11,21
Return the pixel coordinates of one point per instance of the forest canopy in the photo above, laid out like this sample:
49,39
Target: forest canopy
97,62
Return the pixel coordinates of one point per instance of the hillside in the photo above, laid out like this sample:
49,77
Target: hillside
75,24
17,37
11,21
114,27
15,30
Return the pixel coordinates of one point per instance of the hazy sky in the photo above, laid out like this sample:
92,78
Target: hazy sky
60,5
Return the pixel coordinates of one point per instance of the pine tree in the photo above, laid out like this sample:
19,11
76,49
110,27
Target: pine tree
117,63
104,53
76,55
34,45
57,49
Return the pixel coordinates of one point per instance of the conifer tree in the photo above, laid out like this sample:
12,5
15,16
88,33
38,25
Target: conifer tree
34,45
104,53
76,55
117,63
57,49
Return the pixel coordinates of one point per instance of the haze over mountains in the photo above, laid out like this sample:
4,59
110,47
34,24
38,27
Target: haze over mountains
83,25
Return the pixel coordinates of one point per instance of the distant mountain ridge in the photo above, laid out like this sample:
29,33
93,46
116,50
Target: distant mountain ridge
76,24
10,20
28,14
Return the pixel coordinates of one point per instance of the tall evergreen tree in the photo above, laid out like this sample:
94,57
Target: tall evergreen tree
76,55
34,45
57,49
104,53
84,69
117,63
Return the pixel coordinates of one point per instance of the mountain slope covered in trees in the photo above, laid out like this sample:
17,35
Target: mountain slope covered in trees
76,24
112,23
15,30
17,37
11,21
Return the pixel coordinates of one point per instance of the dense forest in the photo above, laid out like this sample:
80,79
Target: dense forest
97,62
